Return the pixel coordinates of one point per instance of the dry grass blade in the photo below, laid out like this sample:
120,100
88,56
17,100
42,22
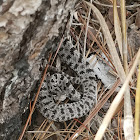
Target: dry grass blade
124,35
137,106
68,135
100,46
84,52
128,118
47,128
117,63
110,43
116,101
117,27
40,129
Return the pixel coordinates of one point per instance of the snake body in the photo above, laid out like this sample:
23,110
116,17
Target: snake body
61,85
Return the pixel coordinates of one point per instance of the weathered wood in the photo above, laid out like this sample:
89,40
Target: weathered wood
25,28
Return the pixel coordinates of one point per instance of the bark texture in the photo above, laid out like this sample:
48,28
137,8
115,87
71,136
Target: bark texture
27,29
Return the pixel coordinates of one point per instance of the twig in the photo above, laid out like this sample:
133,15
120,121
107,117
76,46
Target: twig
36,97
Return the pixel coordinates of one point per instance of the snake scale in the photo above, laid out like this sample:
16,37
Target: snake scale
61,85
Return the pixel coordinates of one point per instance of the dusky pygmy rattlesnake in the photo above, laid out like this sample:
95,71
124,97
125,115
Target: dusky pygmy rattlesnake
62,84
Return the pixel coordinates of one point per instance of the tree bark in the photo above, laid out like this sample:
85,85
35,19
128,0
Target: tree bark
27,29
